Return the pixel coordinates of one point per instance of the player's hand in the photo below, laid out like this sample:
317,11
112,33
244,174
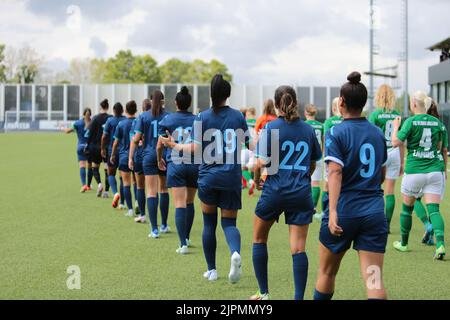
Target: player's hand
103,153
162,165
112,160
86,149
168,141
333,224
131,164
397,122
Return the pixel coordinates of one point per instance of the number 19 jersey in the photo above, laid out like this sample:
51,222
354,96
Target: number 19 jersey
360,148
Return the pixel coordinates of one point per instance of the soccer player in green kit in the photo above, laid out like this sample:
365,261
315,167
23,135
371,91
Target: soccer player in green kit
316,178
423,172
330,123
384,118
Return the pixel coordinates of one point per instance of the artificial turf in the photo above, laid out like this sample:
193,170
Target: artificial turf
46,225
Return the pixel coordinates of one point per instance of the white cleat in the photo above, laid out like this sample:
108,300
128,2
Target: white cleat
105,195
99,190
188,242
210,275
140,219
182,250
130,213
236,268
165,229
122,207
153,235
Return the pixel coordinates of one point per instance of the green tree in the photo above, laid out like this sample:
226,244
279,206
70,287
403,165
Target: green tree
27,73
145,70
174,71
200,71
2,66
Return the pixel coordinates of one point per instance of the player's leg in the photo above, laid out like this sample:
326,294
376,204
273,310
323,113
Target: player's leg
107,186
261,230
151,188
90,174
405,223
190,212
421,213
329,264
389,196
163,203
179,196
122,195
316,180
136,204
126,177
371,265
297,237
233,237
112,170
83,166
140,181
432,197
209,240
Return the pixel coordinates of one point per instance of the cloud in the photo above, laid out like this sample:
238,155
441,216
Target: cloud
98,46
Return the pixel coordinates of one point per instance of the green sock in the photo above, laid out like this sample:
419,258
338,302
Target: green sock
406,223
438,223
315,195
421,213
389,207
247,175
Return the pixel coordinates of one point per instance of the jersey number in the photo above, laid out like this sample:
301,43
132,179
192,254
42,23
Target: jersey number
367,158
184,135
426,141
389,129
155,128
301,147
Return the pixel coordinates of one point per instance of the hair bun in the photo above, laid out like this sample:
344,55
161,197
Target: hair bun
354,78
184,90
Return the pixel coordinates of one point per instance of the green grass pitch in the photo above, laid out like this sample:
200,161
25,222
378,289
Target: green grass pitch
46,225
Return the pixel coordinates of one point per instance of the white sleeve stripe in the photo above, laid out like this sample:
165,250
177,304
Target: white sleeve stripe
333,159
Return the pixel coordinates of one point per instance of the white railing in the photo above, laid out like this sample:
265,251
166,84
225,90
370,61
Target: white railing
34,120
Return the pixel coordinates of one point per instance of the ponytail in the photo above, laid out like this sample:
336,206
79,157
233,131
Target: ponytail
286,102
220,91
157,102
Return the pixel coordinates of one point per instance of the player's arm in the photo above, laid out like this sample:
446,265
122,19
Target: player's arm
402,159
445,155
396,142
312,168
104,143
334,191
69,130
114,150
159,155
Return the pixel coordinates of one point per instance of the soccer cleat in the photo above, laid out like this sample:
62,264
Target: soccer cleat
99,190
430,242
236,268
210,275
154,234
105,195
398,246
140,219
182,250
258,296
89,188
164,229
122,207
440,253
428,234
84,189
130,213
116,200
318,216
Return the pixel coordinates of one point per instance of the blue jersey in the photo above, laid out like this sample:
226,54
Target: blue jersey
221,135
109,129
148,125
179,125
124,135
298,147
360,148
139,148
81,130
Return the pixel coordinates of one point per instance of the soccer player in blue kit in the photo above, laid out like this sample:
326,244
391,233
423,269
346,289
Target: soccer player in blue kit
219,133
107,144
80,127
288,190
355,153
147,128
122,139
182,172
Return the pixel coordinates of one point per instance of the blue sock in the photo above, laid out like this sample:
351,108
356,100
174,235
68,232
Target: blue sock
300,268
209,239
135,190
113,183
232,234
190,213
127,193
180,222
141,201
322,296
90,176
96,174
122,195
152,207
83,176
106,181
260,260
164,207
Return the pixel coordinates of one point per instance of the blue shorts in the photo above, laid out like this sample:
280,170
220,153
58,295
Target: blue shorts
80,153
123,164
138,165
368,233
182,175
150,167
298,209
114,165
224,199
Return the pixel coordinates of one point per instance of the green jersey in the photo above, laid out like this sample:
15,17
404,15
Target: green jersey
251,123
330,123
384,120
444,145
318,129
423,134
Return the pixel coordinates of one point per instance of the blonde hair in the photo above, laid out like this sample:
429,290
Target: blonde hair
428,103
385,97
335,107
420,99
269,107
251,111
311,110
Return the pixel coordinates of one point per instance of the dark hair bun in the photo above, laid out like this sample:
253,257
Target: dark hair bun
184,90
354,78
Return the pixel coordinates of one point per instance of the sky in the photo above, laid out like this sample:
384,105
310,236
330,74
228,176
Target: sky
303,42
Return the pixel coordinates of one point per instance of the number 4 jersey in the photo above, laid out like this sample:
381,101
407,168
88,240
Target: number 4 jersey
423,134
360,148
